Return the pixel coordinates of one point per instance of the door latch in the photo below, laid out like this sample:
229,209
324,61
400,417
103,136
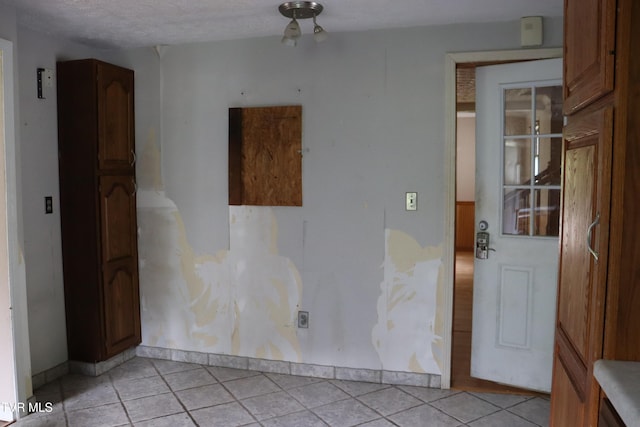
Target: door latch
482,241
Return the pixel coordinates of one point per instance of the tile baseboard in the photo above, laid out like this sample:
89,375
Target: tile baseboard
292,368
99,368
238,362
49,375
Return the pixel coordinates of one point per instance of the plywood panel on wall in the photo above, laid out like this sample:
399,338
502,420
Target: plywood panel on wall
265,156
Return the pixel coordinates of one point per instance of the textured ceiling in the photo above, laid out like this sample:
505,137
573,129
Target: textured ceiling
137,23
466,85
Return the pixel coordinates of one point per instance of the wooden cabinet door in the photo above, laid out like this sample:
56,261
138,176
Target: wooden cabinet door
119,267
118,218
116,146
121,310
589,51
582,281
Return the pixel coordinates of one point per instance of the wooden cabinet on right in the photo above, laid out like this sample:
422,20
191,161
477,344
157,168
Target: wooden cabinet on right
589,51
583,256
608,416
598,312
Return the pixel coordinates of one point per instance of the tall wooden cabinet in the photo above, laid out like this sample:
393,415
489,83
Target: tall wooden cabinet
598,313
98,208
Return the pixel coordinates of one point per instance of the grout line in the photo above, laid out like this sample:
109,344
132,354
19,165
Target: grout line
483,416
479,395
62,401
124,408
173,392
449,415
522,417
247,409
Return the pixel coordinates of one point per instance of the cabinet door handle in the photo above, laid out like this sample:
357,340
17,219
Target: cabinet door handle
595,222
133,158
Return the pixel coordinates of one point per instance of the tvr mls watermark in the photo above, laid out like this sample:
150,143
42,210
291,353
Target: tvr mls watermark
29,407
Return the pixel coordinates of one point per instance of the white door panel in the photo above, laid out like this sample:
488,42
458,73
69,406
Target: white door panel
515,287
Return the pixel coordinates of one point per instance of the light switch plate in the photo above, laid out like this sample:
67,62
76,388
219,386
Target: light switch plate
48,204
44,81
48,76
412,201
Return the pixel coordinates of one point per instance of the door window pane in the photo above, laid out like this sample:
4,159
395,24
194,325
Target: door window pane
548,158
531,160
515,213
549,109
517,111
517,161
547,209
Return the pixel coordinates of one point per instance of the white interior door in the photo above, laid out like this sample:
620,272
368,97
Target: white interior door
518,162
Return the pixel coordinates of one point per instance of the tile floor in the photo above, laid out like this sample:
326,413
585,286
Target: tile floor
152,392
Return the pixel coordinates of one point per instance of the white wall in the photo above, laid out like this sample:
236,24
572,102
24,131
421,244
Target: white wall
230,280
39,168
466,158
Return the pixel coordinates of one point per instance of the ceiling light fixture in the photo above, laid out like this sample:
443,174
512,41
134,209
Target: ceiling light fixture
301,10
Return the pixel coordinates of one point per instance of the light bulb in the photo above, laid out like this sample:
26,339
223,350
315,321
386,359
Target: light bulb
292,30
319,34
288,41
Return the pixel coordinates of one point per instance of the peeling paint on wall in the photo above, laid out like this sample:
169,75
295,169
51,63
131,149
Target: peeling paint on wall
242,301
407,336
269,287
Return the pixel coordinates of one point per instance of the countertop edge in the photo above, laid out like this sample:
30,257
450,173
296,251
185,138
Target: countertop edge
620,381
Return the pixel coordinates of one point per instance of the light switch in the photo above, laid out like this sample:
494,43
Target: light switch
412,202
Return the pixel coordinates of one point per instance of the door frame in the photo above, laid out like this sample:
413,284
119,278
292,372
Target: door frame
451,62
10,238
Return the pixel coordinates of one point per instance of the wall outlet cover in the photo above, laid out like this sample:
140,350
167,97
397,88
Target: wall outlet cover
303,319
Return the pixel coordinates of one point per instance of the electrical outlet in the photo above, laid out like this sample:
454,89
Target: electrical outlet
303,319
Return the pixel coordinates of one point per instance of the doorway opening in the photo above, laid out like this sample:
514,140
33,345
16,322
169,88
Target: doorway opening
460,231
